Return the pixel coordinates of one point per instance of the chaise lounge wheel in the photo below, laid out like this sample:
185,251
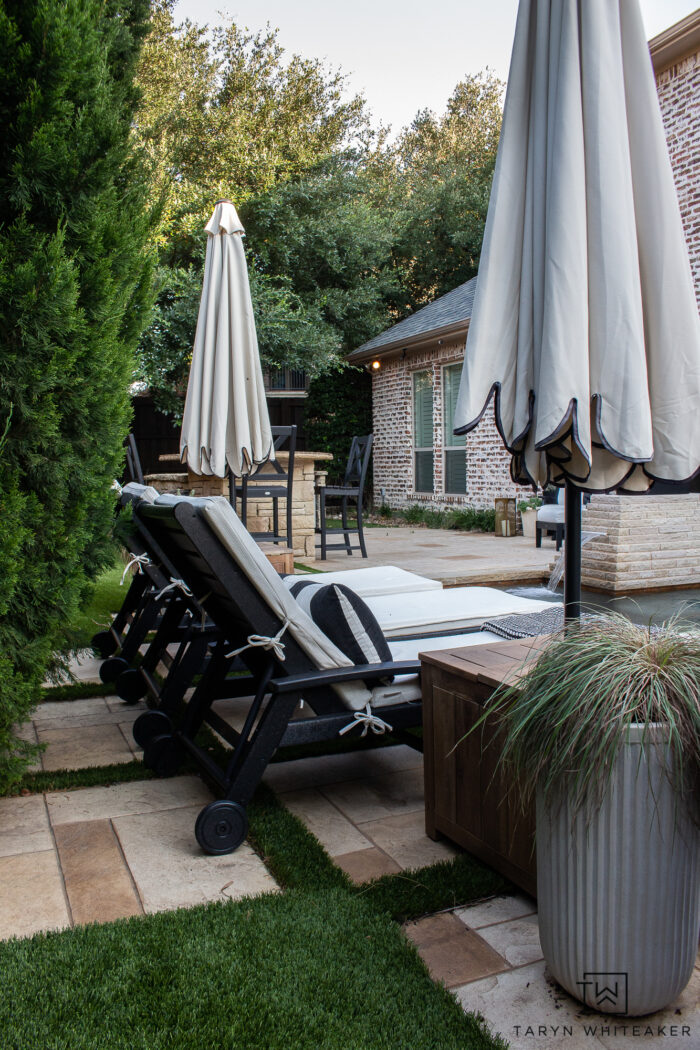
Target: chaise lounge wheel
112,668
221,827
164,755
130,686
149,725
104,642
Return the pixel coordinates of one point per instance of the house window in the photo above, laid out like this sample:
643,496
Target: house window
455,447
423,430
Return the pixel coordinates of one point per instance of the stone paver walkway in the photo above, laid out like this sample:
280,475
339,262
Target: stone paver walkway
97,854
366,809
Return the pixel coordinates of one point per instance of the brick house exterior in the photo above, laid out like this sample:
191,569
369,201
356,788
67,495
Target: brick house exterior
435,337
676,57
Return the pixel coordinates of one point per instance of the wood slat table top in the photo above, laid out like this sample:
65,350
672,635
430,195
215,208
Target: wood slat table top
490,664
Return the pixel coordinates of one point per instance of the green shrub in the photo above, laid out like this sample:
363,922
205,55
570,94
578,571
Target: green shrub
466,519
74,292
413,515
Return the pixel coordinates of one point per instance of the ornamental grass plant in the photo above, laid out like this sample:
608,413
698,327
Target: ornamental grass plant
563,722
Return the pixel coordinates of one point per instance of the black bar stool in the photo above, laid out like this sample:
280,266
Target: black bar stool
275,483
351,489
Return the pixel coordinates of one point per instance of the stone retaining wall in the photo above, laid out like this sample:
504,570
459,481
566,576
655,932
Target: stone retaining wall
650,543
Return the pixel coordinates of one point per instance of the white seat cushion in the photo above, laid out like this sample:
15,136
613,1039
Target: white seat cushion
321,651
406,688
133,492
454,608
551,513
372,580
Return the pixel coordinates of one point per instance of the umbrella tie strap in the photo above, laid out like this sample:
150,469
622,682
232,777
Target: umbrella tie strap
138,560
368,721
175,585
264,642
116,487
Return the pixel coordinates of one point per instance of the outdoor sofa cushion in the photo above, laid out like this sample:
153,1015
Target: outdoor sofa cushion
345,618
552,513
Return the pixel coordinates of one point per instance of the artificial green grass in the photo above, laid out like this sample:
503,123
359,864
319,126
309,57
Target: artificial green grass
74,691
106,599
423,891
71,779
290,852
280,972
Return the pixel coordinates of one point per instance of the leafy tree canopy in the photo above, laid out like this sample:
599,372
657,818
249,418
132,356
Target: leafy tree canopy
442,187
224,115
346,232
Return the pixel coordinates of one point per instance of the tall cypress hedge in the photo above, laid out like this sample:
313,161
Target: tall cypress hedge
75,288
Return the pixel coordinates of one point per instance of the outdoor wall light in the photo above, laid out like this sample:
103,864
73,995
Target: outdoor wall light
375,366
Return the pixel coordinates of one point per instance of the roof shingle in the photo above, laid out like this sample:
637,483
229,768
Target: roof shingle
449,309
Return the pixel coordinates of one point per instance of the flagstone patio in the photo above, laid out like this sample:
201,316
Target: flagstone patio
101,853
451,556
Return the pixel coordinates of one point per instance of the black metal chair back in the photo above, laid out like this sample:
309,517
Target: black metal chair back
133,462
358,462
351,489
275,482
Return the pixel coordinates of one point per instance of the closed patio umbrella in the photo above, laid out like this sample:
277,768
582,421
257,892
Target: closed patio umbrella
585,327
225,426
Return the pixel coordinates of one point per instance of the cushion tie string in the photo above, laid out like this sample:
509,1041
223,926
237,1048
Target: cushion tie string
138,560
367,720
173,585
264,642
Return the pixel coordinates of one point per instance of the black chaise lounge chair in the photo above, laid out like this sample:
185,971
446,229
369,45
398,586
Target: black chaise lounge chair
287,657
157,612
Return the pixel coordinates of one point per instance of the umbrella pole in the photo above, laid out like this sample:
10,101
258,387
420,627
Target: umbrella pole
572,552
231,488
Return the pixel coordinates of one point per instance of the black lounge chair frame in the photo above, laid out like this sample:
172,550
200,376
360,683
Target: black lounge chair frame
152,607
276,685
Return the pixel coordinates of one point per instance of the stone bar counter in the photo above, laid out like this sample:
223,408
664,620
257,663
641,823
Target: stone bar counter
306,464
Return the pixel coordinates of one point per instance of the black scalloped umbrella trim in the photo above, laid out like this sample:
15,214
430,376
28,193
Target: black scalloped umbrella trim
557,456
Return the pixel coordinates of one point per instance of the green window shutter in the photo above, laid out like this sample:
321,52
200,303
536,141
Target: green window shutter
452,375
456,472
422,410
455,447
424,471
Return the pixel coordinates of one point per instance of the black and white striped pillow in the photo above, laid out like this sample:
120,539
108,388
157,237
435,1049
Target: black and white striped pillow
345,619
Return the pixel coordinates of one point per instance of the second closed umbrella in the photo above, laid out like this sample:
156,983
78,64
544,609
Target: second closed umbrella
226,425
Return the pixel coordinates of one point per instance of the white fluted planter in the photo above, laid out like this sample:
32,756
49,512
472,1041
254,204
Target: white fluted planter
618,889
529,522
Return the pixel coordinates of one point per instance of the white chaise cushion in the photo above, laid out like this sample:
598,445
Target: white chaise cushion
133,492
373,580
323,654
452,609
406,688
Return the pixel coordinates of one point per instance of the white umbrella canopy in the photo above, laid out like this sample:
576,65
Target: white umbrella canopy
585,325
226,425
